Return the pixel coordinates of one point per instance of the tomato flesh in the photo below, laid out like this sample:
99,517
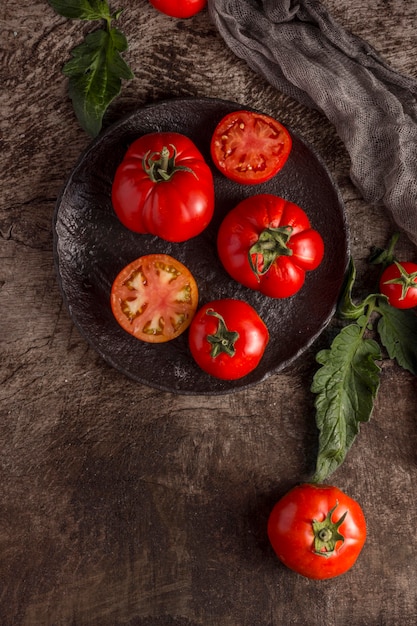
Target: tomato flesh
250,147
154,298
317,530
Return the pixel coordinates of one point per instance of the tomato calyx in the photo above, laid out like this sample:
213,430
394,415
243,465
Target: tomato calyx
406,280
271,244
326,533
223,340
160,166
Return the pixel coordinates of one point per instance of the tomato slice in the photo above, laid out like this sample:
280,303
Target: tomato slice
250,147
154,298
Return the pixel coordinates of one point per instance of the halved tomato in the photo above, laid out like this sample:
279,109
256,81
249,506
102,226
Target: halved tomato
154,298
250,147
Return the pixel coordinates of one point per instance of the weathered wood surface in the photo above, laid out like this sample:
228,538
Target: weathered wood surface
123,505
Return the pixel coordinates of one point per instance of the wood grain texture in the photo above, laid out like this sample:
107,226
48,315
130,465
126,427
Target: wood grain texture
121,505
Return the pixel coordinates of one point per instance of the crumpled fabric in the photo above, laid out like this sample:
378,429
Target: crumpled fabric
303,52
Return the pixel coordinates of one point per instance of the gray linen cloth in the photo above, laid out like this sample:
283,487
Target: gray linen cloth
300,49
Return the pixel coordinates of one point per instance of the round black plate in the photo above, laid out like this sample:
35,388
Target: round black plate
91,247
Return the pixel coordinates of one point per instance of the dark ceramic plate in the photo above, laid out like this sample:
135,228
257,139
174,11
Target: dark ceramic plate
91,247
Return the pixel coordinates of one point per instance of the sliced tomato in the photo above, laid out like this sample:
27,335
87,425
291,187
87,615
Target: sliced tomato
154,298
250,147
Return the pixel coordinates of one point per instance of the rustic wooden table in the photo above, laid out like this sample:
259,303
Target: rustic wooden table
121,504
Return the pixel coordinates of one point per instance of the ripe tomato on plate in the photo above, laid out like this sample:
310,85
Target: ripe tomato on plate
399,283
250,147
164,187
179,8
154,298
267,244
227,338
317,530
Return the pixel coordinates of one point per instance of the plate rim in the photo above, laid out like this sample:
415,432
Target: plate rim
108,358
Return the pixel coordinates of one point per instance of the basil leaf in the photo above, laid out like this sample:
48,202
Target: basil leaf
346,386
82,9
397,329
95,74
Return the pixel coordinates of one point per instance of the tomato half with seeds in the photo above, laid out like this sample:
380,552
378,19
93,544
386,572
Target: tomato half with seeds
228,338
267,244
250,147
399,283
179,8
164,187
154,298
317,530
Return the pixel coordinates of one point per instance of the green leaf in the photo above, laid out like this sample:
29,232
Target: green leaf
397,329
384,256
346,308
95,74
82,9
346,386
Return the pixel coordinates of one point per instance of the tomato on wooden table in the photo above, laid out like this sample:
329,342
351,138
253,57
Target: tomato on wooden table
267,244
179,8
227,338
250,147
317,530
164,187
399,283
154,298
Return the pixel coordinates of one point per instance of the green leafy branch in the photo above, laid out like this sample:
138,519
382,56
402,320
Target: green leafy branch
348,380
96,68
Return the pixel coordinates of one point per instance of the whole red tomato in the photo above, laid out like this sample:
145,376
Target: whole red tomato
267,244
399,283
317,530
179,8
227,338
164,187
250,147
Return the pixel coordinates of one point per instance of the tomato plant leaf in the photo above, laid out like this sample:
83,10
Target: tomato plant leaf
95,74
96,68
347,309
82,9
397,329
384,256
346,385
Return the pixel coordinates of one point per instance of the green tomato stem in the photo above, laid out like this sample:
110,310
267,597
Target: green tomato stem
161,167
271,243
223,340
326,533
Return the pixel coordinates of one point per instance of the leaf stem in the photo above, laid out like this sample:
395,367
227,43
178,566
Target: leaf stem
370,307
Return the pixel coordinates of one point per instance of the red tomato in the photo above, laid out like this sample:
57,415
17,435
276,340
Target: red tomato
154,298
317,530
164,187
250,147
227,338
179,8
399,283
267,244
